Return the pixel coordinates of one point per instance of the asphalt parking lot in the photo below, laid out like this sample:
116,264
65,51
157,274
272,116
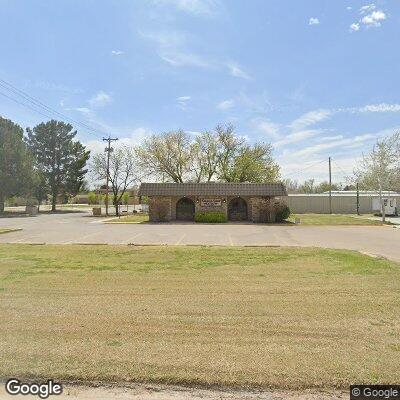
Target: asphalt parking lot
81,228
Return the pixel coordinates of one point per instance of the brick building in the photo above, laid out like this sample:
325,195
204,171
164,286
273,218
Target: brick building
239,201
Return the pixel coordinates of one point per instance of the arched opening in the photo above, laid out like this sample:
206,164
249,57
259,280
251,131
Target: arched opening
185,209
237,209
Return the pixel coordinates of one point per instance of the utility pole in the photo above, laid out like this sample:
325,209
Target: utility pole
358,200
330,187
108,150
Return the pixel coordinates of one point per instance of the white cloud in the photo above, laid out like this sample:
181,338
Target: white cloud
329,138
100,99
368,8
182,102
382,107
196,7
180,59
296,137
129,137
374,19
310,118
313,21
375,108
172,48
226,104
268,128
237,71
370,17
117,52
349,8
352,142
83,110
354,27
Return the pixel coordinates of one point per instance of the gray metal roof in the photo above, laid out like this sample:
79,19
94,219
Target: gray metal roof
210,189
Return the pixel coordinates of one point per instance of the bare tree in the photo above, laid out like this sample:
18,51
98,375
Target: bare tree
206,153
166,154
378,169
122,173
230,145
220,154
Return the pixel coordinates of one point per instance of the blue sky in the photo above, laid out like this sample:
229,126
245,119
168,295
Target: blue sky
316,78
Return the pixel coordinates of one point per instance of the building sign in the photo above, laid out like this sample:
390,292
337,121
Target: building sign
211,202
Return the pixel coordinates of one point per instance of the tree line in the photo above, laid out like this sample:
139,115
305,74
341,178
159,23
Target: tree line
217,155
48,160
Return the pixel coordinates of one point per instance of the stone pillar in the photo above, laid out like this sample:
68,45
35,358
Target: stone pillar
159,209
263,209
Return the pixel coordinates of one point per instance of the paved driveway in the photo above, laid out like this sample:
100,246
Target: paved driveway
82,228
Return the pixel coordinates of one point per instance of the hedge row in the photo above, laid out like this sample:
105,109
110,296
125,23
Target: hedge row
211,217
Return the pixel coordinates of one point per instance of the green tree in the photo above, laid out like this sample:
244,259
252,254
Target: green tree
308,186
15,162
166,155
59,158
39,187
324,187
92,198
379,170
253,163
125,198
220,154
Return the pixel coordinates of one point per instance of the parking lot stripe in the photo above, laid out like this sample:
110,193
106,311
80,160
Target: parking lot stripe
180,240
133,237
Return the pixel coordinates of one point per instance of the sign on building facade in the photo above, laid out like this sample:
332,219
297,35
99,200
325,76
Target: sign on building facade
211,202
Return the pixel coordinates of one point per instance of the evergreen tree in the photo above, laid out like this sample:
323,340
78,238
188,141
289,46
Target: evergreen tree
59,158
15,162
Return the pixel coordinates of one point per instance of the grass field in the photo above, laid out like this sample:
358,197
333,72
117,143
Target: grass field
306,219
130,219
333,219
259,317
7,230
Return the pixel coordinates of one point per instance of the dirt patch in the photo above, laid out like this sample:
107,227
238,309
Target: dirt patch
163,392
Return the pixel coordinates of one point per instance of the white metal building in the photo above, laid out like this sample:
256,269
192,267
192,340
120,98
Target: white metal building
343,202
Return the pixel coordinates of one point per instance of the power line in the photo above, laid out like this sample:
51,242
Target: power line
25,105
345,174
41,106
305,169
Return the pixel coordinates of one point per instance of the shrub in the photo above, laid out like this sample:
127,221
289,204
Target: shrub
210,217
92,198
282,211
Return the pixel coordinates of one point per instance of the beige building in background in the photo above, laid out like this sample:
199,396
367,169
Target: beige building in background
343,202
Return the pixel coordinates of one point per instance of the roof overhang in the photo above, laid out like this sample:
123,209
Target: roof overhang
212,189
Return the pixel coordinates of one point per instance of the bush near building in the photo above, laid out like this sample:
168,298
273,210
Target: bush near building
282,211
211,217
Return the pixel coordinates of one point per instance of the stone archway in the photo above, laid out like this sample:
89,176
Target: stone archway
185,209
237,210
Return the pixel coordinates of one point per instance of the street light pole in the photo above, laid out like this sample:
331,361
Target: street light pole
108,150
330,187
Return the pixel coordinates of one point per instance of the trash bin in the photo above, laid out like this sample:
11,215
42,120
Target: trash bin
96,211
31,210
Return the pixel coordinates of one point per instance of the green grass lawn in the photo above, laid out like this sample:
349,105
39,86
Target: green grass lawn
130,219
333,219
257,317
7,230
306,219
